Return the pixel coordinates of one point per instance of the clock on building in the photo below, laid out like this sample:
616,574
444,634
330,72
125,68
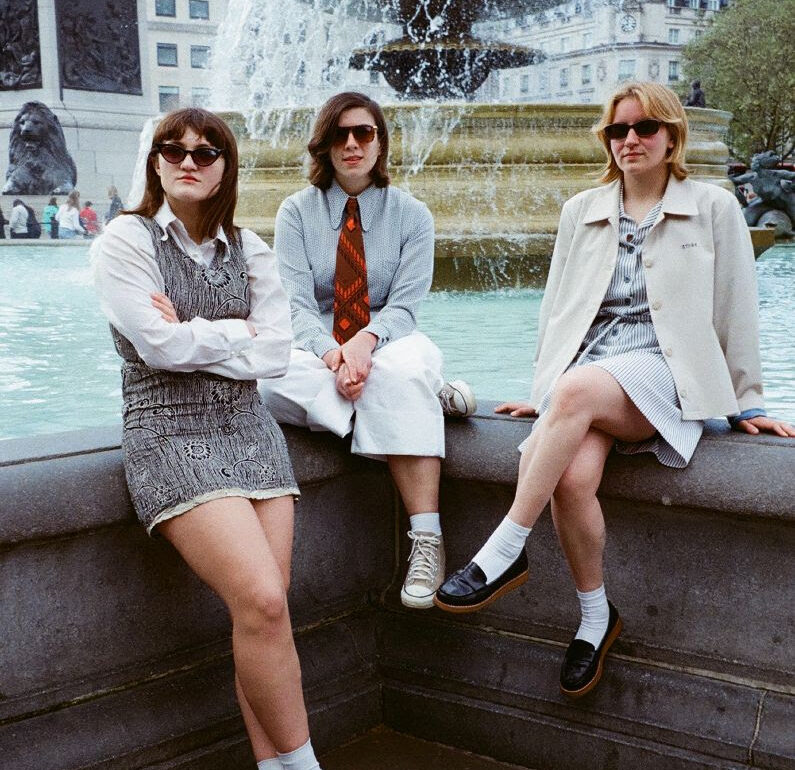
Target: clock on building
628,22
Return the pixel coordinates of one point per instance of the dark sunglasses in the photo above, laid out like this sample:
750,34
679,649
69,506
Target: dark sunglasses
643,128
201,156
363,134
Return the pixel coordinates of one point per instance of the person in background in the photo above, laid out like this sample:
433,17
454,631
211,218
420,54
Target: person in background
89,220
198,313
648,327
356,257
68,217
18,224
48,218
3,223
115,204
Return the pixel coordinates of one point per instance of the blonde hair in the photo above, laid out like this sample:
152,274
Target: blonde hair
659,103
73,200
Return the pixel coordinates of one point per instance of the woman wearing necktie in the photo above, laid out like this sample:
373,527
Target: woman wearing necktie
356,257
648,327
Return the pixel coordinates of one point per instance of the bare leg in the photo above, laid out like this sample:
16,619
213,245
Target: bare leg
584,398
276,519
417,480
577,514
223,541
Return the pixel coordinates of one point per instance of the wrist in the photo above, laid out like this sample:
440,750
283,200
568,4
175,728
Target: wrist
369,338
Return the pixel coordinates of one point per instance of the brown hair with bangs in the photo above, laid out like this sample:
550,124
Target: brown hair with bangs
321,169
219,211
659,103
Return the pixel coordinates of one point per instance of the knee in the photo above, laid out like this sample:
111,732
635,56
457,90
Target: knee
573,394
259,608
577,485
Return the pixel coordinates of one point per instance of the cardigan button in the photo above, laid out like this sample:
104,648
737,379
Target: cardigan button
683,393
648,262
656,305
668,352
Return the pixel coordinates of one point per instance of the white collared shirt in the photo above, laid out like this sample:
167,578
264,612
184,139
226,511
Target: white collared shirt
126,275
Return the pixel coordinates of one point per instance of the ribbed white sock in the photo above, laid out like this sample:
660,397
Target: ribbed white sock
501,549
270,764
426,522
595,615
303,758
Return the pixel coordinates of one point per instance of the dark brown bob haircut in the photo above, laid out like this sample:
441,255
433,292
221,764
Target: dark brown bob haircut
219,211
321,170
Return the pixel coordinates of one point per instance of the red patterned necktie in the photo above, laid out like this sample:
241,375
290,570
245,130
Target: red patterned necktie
351,302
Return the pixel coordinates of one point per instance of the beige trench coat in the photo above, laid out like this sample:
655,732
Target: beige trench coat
698,263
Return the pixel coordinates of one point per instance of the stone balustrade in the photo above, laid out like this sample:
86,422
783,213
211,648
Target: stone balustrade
115,656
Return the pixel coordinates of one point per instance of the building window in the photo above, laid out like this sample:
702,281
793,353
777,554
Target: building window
713,5
169,98
564,77
374,78
199,9
524,84
695,4
564,44
586,74
507,84
673,36
199,57
165,7
587,39
626,69
543,81
698,33
167,54
200,97
673,71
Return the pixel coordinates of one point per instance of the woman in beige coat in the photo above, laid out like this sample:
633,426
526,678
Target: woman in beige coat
648,326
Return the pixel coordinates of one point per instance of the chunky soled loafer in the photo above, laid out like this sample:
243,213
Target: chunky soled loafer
582,664
466,590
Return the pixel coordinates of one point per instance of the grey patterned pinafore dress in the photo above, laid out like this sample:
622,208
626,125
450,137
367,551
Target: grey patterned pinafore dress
192,437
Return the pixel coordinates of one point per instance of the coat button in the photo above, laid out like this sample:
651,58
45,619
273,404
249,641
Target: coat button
648,262
683,393
656,305
668,352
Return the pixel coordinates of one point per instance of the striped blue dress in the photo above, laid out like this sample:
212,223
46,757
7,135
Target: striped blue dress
622,341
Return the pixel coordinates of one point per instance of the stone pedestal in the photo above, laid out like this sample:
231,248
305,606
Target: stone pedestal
101,126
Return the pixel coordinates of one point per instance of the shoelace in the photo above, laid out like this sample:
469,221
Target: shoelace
424,557
448,405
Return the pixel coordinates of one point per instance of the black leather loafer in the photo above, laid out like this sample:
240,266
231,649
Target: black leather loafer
466,590
582,664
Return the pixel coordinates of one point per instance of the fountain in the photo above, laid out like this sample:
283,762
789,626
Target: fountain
494,175
438,57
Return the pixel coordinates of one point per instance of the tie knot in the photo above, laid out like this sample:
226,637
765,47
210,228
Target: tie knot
352,206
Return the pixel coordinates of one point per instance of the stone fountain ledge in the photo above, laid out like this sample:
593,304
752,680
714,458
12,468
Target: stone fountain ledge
115,656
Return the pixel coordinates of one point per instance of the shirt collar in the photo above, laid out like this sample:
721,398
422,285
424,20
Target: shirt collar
166,218
368,203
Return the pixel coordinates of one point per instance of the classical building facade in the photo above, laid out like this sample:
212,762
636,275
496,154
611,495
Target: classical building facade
592,45
180,39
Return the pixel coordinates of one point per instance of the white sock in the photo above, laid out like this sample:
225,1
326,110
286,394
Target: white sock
426,522
501,549
595,615
303,758
270,764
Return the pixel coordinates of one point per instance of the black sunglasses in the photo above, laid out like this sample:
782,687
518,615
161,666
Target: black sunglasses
363,134
644,128
201,156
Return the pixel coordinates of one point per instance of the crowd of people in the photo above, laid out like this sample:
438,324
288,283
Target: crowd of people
64,221
648,327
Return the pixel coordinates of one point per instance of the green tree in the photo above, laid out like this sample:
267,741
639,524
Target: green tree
745,62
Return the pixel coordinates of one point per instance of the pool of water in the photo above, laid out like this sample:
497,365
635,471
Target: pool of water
59,371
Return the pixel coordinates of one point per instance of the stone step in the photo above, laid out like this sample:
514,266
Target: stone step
383,748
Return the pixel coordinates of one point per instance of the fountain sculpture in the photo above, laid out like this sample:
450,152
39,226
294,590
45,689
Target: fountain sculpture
438,57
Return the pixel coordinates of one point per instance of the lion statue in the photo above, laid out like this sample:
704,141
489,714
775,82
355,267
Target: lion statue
38,161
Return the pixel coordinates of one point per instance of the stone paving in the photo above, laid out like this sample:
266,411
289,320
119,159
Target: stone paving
383,749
